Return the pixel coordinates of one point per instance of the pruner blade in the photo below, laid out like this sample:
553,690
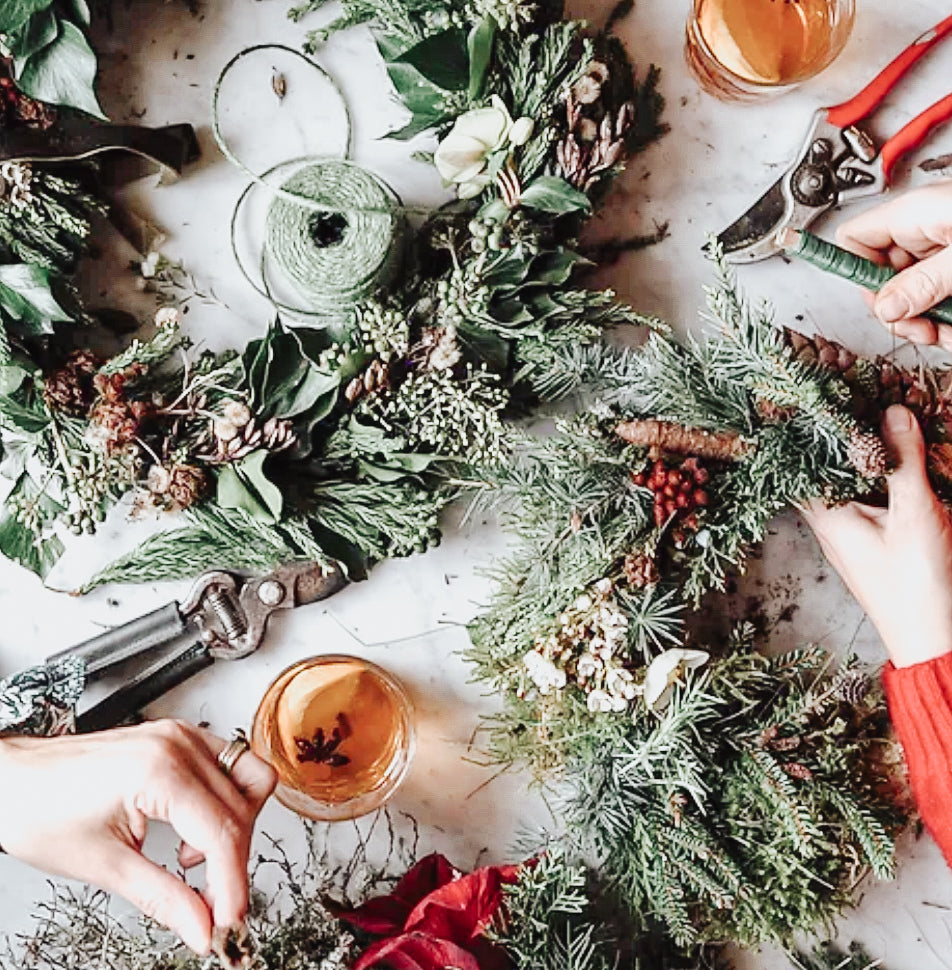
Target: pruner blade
752,237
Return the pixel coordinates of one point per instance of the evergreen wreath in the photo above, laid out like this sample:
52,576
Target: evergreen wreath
708,793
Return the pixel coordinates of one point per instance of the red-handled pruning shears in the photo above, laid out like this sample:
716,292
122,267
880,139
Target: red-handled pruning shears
839,161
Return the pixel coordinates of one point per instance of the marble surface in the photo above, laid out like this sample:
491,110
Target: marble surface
159,65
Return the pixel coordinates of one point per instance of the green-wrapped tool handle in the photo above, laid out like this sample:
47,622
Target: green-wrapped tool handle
856,269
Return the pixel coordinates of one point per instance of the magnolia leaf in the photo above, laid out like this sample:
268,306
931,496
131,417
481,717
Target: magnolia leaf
17,12
30,420
555,267
64,72
11,377
41,30
32,548
420,122
244,485
441,58
548,193
480,44
26,298
79,10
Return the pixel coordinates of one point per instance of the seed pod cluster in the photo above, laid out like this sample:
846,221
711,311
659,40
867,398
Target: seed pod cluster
678,491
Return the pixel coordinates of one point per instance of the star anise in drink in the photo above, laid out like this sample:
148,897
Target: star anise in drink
322,749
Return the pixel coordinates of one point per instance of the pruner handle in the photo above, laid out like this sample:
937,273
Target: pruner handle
872,96
913,134
121,643
148,686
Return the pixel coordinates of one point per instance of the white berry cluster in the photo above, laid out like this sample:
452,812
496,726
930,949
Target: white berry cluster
588,648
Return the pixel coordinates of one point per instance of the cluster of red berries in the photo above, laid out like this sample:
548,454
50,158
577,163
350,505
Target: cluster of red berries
677,491
17,107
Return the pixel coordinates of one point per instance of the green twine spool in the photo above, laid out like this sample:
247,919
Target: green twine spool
337,257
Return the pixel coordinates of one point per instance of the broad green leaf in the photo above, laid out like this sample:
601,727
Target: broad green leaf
442,59
15,13
16,453
548,193
41,30
64,72
555,267
79,11
244,485
30,420
480,44
11,377
420,122
37,550
26,298
494,211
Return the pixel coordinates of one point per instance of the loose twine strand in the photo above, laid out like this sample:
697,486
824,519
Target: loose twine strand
334,230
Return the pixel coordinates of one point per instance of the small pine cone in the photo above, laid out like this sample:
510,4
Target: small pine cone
187,484
70,389
867,454
641,570
278,435
772,412
798,771
852,687
376,377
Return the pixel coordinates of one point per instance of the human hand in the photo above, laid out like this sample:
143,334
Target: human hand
897,561
913,234
78,806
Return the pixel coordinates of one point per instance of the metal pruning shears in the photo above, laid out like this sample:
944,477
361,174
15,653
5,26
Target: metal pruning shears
224,618
839,161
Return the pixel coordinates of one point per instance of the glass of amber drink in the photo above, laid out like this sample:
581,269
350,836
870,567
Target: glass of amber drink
339,732
751,49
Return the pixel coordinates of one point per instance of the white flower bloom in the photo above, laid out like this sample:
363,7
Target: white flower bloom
587,665
667,670
149,266
521,131
167,316
599,702
604,586
543,673
464,153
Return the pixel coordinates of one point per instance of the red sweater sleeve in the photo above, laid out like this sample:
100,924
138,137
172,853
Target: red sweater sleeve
920,705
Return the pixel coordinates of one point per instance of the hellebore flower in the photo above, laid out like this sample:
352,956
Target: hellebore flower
463,156
667,670
435,918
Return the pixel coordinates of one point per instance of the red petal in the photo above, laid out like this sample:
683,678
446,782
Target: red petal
386,915
416,951
461,910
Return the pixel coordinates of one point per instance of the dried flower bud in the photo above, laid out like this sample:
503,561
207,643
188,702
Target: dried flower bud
167,316
237,413
587,90
158,480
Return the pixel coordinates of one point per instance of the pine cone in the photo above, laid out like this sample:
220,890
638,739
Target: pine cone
641,570
940,461
70,389
177,487
375,378
867,454
234,443
772,412
876,383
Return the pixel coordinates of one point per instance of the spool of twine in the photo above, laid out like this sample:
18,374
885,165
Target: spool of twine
333,232
335,257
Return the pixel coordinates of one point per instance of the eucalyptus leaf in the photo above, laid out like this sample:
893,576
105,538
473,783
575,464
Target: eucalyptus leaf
548,193
64,72
244,485
37,550
480,44
443,59
26,298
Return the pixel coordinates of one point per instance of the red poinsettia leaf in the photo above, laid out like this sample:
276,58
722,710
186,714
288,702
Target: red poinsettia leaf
386,915
416,951
428,874
461,910
489,955
383,916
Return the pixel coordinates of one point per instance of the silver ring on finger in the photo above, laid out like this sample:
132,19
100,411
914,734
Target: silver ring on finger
236,747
